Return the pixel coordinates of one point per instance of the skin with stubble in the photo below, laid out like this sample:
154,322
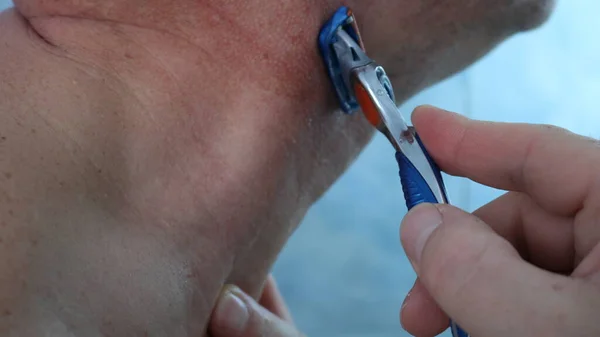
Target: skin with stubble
153,151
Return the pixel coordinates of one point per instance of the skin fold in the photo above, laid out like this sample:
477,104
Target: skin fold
153,151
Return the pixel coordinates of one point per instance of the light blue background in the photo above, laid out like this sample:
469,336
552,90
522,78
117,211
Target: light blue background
343,272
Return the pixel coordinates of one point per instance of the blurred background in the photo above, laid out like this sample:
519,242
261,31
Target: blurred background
343,272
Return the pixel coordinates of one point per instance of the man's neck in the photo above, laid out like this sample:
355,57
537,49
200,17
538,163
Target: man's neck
230,122
160,145
246,66
204,149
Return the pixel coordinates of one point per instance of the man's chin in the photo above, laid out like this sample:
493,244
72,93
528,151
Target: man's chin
531,14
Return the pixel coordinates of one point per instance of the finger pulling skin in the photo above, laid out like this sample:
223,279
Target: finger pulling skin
237,314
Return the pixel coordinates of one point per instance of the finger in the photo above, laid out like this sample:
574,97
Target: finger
237,314
589,268
552,165
272,300
479,279
541,238
420,315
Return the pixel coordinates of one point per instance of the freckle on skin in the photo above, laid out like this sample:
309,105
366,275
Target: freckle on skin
6,313
8,175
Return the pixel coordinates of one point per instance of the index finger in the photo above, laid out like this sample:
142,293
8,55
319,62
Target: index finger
554,166
236,314
272,300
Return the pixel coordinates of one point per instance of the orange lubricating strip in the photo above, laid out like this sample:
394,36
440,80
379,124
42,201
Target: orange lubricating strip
354,25
366,103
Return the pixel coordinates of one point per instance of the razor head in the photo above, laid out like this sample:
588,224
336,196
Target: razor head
332,48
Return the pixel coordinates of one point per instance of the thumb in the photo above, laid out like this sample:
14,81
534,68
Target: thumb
480,281
239,315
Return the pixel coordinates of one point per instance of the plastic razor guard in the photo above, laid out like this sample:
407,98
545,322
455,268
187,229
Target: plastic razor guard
341,19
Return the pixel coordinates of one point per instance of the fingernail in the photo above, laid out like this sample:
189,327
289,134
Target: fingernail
231,312
417,227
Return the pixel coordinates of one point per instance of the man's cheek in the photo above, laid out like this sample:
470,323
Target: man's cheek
386,21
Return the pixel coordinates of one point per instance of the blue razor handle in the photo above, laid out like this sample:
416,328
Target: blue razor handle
341,19
417,191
